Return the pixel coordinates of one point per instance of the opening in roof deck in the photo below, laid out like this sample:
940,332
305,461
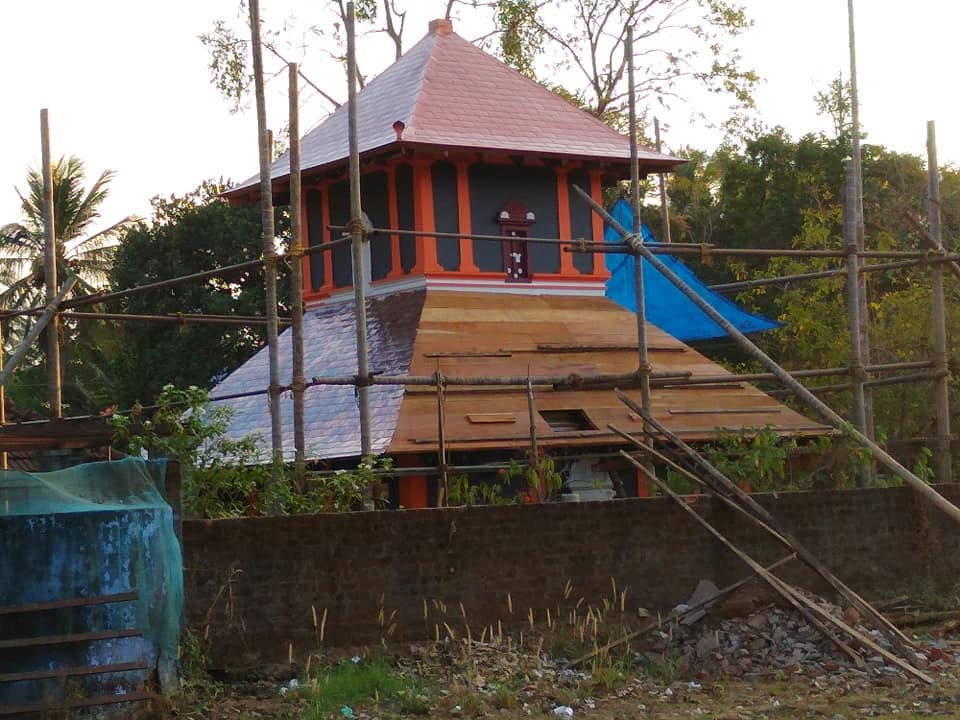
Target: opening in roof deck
567,420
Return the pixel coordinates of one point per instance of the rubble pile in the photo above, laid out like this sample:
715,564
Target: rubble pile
776,640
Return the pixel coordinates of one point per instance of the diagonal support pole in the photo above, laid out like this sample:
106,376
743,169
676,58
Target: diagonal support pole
815,615
34,333
759,516
821,408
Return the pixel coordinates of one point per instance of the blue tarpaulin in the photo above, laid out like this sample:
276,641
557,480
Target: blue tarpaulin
668,308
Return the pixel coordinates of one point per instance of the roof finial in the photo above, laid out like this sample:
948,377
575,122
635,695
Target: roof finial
441,26
398,128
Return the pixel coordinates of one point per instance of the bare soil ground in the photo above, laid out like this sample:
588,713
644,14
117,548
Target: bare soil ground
767,664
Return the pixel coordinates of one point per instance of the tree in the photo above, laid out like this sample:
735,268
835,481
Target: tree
780,192
678,44
576,44
75,210
88,345
188,234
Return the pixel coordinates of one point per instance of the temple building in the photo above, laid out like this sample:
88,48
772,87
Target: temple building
453,142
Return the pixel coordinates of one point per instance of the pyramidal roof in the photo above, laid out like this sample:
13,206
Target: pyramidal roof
449,93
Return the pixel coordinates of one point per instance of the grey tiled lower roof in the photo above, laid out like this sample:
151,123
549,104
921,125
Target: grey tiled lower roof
331,414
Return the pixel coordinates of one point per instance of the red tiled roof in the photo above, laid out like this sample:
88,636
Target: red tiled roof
448,93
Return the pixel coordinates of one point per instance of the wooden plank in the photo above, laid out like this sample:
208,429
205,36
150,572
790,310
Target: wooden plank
554,347
137,696
72,638
467,354
481,418
728,411
72,602
73,671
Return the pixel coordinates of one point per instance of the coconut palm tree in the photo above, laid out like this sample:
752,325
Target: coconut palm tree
75,210
88,255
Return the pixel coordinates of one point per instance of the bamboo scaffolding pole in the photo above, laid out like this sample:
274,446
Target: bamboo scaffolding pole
357,239
38,327
100,298
879,382
643,366
857,373
657,248
825,412
799,602
927,238
824,372
297,379
179,318
941,388
269,250
757,515
814,614
664,208
711,251
673,248
532,416
444,498
821,274
862,295
54,381
658,379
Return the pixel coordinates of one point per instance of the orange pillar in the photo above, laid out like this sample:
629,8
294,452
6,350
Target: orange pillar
396,267
464,221
305,260
596,192
643,489
563,222
327,254
424,219
413,488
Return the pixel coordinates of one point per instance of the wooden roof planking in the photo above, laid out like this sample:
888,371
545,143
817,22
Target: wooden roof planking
487,334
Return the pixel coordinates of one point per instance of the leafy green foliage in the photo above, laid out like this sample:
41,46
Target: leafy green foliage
190,234
220,476
230,68
460,491
344,490
521,38
754,458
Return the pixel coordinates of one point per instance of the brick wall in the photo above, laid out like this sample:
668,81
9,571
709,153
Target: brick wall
251,583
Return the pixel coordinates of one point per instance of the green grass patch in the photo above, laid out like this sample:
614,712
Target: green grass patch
353,684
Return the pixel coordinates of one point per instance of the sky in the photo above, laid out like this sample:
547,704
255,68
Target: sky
127,86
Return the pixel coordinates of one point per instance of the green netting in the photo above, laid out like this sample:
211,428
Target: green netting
95,529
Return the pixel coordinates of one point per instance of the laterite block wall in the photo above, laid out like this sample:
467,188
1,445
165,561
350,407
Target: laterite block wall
251,583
